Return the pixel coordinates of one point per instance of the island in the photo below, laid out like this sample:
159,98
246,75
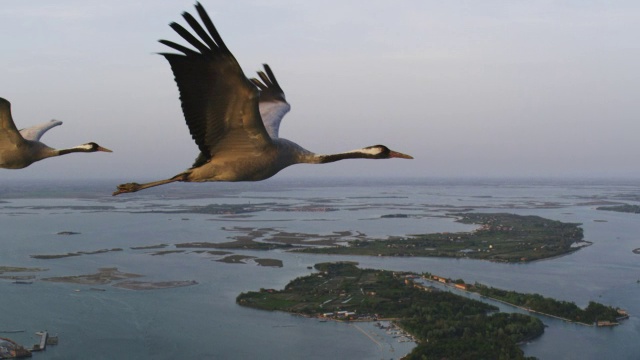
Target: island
240,259
79,253
19,279
106,276
147,247
68,233
103,276
4,269
273,238
148,285
443,324
500,237
217,209
246,244
633,209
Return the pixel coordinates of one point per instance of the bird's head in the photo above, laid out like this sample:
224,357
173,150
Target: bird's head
91,147
383,152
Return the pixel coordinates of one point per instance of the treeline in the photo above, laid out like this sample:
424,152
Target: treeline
564,309
474,337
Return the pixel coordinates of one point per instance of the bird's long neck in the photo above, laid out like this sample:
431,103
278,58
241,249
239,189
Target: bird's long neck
75,149
353,154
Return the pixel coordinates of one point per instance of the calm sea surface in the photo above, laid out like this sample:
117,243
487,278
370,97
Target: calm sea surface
203,321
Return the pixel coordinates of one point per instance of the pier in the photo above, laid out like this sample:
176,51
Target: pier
43,341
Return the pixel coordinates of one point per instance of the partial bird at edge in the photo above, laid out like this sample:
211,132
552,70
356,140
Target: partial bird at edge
233,120
21,148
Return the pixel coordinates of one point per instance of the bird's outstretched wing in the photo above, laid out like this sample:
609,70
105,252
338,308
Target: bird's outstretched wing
35,132
9,135
273,104
219,103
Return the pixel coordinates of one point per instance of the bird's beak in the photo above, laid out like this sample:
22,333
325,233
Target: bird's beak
100,148
395,154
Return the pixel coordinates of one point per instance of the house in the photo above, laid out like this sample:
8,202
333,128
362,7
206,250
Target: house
461,286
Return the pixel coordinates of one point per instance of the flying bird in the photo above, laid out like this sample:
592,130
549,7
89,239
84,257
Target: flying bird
234,120
19,149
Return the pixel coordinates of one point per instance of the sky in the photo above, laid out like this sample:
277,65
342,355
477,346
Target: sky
469,88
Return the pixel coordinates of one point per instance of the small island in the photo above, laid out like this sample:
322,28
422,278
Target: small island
103,276
501,237
15,269
78,253
148,285
148,247
633,209
19,279
68,233
106,276
240,259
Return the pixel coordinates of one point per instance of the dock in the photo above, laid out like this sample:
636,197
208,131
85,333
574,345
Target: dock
43,341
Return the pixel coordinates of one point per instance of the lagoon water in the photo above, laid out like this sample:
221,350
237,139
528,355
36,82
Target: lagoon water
203,321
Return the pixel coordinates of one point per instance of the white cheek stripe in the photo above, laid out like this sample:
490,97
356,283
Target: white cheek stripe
370,151
84,146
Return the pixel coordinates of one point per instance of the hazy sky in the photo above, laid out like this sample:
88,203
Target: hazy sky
469,88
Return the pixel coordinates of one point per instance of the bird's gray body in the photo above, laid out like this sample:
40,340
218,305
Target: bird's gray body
251,165
22,155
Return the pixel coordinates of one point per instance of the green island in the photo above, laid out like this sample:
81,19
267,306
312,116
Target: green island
595,313
501,237
443,324
634,209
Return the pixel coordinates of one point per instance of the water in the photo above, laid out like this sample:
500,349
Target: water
203,321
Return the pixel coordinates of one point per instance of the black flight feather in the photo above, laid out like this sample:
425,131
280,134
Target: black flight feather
206,20
185,34
199,30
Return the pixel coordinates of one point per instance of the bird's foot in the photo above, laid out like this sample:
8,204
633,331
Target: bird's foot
126,188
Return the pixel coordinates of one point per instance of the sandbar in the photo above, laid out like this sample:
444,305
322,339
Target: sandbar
4,269
147,285
236,259
159,246
60,256
103,276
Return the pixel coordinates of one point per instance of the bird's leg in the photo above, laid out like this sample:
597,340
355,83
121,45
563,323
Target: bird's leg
133,187
127,188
